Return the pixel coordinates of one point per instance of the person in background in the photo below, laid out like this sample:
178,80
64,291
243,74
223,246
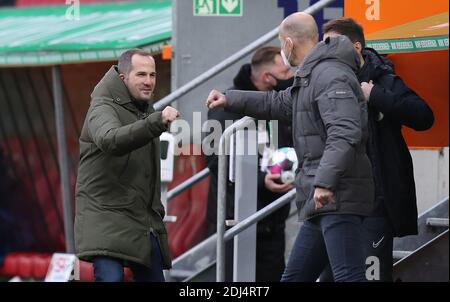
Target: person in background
266,72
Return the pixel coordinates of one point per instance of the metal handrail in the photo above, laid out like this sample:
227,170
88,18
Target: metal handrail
230,61
259,215
222,191
243,225
187,183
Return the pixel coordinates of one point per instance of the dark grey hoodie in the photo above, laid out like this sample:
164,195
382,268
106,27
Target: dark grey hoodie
329,116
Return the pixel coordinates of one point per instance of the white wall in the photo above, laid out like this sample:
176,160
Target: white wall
431,173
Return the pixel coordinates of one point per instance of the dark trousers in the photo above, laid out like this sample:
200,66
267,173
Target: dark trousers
334,239
378,242
269,255
109,269
270,262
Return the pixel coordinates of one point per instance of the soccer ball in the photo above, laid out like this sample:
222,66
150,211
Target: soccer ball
284,162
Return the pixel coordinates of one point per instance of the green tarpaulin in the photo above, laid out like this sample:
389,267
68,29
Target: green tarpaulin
62,34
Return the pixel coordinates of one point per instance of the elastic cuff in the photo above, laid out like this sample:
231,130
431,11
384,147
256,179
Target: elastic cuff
156,123
234,103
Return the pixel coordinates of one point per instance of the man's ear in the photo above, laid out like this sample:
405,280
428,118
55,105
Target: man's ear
358,46
122,76
266,76
289,41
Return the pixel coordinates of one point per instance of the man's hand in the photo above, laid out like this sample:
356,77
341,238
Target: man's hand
216,99
269,182
322,196
169,114
367,89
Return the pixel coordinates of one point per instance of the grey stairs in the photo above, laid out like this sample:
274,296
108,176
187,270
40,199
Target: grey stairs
425,257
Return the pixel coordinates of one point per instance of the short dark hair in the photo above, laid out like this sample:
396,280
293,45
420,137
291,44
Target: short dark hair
347,27
265,55
124,64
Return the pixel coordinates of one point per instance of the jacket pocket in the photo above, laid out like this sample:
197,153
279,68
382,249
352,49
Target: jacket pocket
304,186
308,210
356,190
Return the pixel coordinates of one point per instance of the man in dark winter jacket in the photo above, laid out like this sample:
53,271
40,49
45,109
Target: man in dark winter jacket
334,181
266,72
119,214
391,105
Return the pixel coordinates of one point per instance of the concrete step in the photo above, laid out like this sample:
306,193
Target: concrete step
437,222
397,255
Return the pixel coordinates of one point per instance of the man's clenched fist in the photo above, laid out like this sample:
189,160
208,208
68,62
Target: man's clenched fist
216,99
169,114
322,196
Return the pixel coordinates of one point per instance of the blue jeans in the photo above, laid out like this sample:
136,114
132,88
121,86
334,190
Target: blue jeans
378,242
331,238
109,269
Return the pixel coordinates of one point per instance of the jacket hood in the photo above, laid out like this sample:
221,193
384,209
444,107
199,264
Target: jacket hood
242,81
338,48
112,86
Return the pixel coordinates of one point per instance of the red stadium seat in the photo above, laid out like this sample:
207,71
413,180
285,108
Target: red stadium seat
35,266
10,267
190,206
40,263
26,265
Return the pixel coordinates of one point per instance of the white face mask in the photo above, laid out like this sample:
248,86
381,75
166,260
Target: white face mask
286,58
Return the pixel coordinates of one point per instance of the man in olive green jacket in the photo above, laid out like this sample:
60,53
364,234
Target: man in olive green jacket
119,214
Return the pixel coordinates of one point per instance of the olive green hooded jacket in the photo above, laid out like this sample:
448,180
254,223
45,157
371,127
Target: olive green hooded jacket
118,186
